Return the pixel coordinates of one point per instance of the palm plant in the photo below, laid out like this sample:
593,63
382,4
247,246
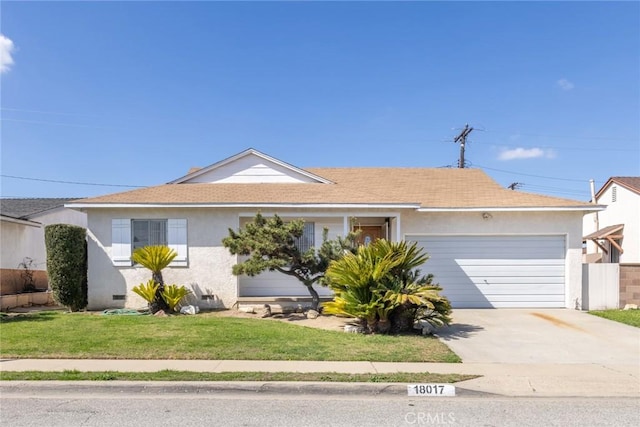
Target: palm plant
381,285
147,290
173,294
155,258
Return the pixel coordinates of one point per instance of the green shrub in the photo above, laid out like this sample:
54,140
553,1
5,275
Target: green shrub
147,290
67,264
155,258
381,286
173,294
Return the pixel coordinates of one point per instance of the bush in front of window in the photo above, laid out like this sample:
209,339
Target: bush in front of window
171,294
155,258
67,264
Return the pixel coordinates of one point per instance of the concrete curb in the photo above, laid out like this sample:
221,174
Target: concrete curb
74,388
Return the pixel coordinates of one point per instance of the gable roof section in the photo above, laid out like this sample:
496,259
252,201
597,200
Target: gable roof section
415,188
631,183
256,164
30,207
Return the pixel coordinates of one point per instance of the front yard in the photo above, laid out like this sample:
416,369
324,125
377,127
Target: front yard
203,336
629,317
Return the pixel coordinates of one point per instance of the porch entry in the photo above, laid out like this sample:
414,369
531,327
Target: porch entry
370,233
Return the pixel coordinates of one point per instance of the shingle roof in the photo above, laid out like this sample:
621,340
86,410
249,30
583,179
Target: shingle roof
630,182
420,187
26,208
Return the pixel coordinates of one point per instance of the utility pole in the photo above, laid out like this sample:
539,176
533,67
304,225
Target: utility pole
462,138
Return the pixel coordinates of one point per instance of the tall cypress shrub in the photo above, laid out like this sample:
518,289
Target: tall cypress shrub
66,264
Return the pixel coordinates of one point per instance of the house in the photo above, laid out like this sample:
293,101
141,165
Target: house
22,223
489,246
613,235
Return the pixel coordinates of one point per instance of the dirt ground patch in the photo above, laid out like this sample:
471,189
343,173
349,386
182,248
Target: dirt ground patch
330,323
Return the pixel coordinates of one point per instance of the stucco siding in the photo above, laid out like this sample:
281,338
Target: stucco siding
209,264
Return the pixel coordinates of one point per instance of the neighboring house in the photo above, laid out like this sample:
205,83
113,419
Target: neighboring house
613,235
488,246
22,235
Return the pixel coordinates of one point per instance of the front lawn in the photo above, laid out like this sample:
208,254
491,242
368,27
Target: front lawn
630,317
204,336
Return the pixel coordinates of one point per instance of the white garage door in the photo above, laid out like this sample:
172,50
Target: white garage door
497,271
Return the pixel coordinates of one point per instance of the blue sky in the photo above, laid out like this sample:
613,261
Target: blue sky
134,94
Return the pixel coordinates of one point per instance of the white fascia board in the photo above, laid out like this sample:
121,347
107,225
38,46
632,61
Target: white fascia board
239,205
21,221
587,209
322,214
244,154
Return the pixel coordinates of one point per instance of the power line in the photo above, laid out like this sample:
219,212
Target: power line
535,176
19,110
69,182
4,119
558,147
606,138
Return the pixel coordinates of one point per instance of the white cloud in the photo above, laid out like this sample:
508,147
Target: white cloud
565,84
6,49
525,153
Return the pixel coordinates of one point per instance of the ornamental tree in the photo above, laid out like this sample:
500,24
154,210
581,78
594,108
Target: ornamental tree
271,245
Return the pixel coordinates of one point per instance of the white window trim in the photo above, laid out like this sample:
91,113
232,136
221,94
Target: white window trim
121,241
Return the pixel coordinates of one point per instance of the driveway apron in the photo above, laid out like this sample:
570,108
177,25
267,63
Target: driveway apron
540,336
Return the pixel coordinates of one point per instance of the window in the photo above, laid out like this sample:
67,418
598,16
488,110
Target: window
146,232
308,238
130,234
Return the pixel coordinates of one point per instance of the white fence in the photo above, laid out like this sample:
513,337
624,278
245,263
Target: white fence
600,286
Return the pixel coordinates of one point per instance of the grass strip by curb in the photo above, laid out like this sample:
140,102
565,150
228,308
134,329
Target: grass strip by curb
170,375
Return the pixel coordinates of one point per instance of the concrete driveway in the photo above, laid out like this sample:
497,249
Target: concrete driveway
540,336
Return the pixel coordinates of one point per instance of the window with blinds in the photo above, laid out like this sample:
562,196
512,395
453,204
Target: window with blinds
307,240
148,232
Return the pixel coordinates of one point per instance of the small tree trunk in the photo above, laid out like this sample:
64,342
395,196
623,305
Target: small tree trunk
315,298
158,303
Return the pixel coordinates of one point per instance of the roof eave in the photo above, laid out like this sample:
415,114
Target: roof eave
586,209
20,221
244,205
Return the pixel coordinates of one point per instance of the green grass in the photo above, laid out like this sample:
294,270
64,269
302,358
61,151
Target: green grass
205,336
168,375
630,317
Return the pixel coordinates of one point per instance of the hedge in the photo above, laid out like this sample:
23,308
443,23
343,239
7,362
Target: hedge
67,264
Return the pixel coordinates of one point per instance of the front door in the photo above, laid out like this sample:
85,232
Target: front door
368,233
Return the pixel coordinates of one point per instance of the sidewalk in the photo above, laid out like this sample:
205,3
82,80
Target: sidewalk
541,380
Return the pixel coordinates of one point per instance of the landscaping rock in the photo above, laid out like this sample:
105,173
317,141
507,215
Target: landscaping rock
249,310
266,311
630,307
312,314
190,309
160,313
353,329
425,327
